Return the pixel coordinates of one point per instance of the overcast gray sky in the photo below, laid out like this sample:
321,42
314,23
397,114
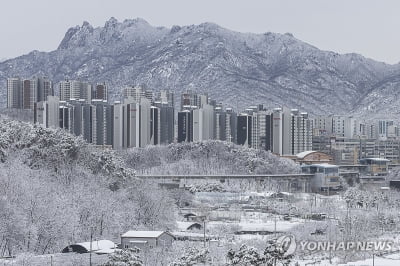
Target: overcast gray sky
368,27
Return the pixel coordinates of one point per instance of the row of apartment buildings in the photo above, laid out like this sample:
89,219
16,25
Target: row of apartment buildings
282,131
351,127
144,117
349,139
23,93
124,124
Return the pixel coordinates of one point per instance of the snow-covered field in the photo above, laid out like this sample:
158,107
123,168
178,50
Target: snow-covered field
389,260
57,259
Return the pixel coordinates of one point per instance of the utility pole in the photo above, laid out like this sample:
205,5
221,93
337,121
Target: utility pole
204,231
90,251
330,250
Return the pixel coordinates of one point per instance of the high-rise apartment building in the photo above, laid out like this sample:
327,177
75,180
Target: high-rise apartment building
29,93
166,97
230,125
46,112
100,92
154,125
262,135
322,125
65,115
291,131
24,93
44,89
102,123
244,129
344,126
75,90
14,93
383,128
166,122
185,126
118,125
132,123
145,123
300,132
220,124
136,93
190,98
281,118
203,123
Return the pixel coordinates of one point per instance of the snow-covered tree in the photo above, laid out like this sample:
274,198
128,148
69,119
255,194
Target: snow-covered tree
207,157
125,257
55,189
245,256
192,256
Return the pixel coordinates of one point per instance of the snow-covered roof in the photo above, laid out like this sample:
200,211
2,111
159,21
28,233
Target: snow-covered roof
144,234
190,234
97,245
286,193
377,159
106,251
303,154
138,241
322,165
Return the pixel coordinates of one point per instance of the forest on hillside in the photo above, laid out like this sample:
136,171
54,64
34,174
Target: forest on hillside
207,157
55,189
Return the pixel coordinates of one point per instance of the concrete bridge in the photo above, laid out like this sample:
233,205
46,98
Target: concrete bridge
282,182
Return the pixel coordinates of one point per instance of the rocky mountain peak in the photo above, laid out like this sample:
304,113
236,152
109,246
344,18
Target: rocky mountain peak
235,68
76,36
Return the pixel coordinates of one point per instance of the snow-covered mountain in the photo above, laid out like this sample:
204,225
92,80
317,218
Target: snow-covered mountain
235,68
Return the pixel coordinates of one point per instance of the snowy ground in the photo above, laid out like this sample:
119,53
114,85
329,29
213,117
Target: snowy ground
58,259
389,260
250,221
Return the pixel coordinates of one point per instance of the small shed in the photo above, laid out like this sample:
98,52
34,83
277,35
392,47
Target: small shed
85,247
146,239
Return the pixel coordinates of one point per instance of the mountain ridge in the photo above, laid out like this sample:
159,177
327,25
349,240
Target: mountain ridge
235,68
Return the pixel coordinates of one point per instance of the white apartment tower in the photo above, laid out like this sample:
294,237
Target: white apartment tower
46,113
136,93
118,122
300,132
281,120
203,123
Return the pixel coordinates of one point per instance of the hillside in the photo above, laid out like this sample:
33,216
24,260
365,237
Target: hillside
236,68
55,188
208,157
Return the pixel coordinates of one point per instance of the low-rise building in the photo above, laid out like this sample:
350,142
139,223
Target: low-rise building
326,177
376,166
146,239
